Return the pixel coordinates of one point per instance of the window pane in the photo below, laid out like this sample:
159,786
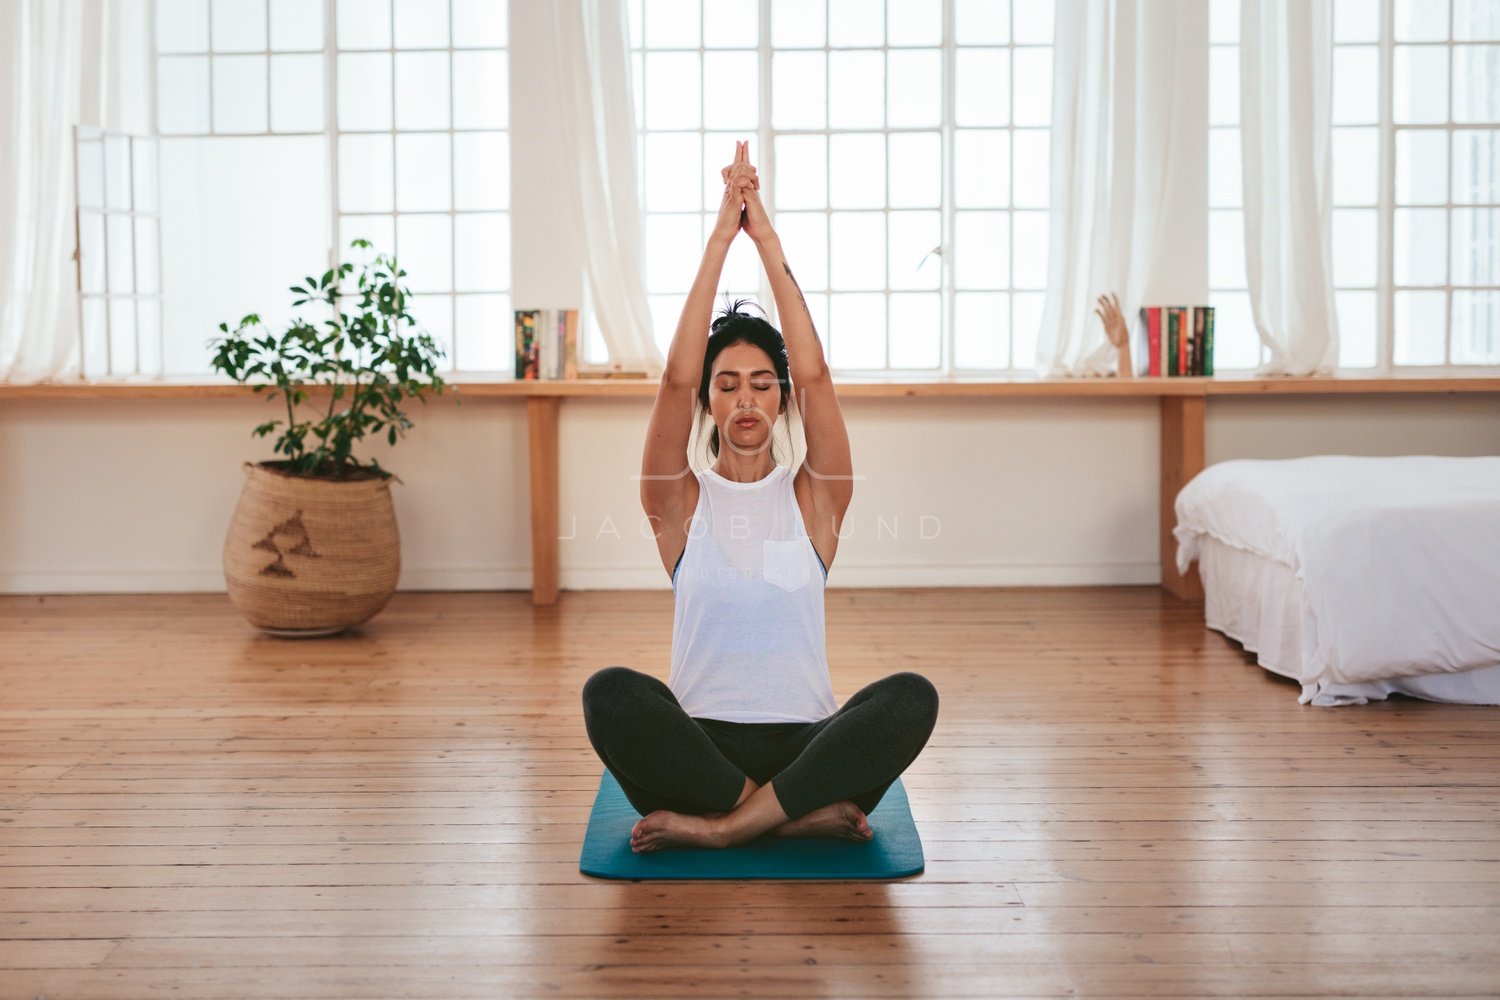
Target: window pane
857,251
731,25
1223,22
798,98
422,89
1033,93
856,331
1421,20
805,237
857,171
981,249
148,329
481,170
1226,249
239,93
914,22
1033,22
916,330
1421,167
1421,84
731,90
672,24
424,244
982,87
1476,328
1225,184
483,248
914,89
377,230
665,312
1476,20
424,173
1421,328
1356,21
672,90
145,174
742,269
981,22
1421,246
433,315
1032,170
117,172
294,27
1476,83
421,24
718,152
147,257
364,91
673,160
1476,246
1356,162
1029,257
1476,166
181,26
485,333
801,171
981,168
91,252
1236,344
1025,324
916,162
1358,329
856,89
366,173
239,25
479,24
90,153
1355,246
1356,85
481,90
182,95
95,339
364,24
674,244
915,244
122,336
851,23
796,24
981,330
297,93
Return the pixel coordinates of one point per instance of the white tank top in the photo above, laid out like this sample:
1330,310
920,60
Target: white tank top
747,631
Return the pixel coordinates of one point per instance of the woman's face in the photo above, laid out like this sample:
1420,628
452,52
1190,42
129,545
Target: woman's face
744,397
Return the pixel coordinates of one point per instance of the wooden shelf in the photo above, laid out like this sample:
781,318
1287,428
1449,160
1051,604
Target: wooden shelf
1182,402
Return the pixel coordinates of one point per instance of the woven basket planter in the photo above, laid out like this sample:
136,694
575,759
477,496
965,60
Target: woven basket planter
309,556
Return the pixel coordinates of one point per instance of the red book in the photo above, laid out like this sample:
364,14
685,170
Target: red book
1153,339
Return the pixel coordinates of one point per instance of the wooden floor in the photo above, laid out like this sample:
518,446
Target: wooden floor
1114,803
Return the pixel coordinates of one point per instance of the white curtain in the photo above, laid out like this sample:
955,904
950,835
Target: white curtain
1128,80
1286,60
598,135
62,62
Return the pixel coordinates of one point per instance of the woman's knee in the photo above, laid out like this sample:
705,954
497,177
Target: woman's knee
613,686
914,694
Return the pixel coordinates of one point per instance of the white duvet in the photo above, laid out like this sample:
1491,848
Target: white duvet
1399,558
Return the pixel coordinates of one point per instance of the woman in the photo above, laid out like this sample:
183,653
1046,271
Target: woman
747,738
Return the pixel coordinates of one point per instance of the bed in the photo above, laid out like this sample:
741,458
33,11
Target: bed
1356,577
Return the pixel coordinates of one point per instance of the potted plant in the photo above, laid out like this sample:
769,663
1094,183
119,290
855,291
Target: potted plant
313,547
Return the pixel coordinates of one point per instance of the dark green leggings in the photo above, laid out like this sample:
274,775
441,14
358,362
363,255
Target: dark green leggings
665,759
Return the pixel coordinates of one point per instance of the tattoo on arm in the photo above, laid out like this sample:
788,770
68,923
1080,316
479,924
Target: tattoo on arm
788,269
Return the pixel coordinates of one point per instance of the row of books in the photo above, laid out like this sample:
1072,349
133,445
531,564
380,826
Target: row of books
547,348
1177,340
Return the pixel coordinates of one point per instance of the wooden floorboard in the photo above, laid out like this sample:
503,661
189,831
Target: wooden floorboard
1115,803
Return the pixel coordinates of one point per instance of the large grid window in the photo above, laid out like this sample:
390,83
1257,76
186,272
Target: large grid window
332,120
1416,184
906,144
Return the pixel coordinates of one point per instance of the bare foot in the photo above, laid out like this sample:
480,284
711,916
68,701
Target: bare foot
841,819
664,828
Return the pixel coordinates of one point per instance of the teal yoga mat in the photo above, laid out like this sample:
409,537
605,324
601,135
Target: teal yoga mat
894,852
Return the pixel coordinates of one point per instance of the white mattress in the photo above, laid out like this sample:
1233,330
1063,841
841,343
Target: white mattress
1355,576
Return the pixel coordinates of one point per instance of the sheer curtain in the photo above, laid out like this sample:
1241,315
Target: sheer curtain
598,135
62,62
1128,194
1286,58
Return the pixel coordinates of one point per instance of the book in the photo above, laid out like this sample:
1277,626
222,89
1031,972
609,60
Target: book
1170,367
526,344
1208,341
546,344
1179,340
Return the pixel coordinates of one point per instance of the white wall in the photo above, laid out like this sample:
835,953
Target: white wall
100,497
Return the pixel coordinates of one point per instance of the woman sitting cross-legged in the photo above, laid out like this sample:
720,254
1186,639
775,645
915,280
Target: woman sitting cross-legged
746,737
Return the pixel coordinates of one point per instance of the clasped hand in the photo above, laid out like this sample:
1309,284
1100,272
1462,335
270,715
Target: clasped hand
741,207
